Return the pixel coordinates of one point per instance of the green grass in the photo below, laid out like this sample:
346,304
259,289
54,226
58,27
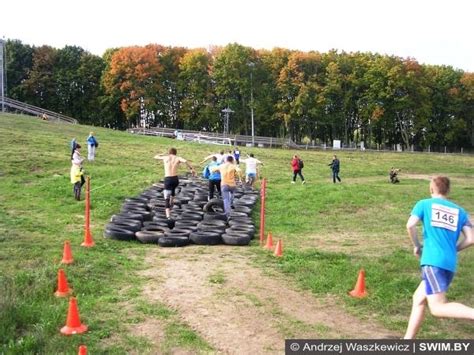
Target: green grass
329,232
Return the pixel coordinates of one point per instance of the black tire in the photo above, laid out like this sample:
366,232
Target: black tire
178,233
216,222
124,225
191,216
214,205
129,215
189,229
205,238
173,241
248,231
118,233
234,214
156,228
182,223
146,215
148,237
168,221
243,209
136,199
120,219
231,239
134,205
215,216
240,222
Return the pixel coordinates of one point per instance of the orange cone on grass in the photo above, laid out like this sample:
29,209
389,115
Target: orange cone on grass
88,242
279,248
82,350
269,244
63,287
67,254
359,290
73,322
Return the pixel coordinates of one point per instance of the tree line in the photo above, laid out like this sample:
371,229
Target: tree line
306,96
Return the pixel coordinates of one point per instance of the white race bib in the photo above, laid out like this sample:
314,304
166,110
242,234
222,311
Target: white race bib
444,217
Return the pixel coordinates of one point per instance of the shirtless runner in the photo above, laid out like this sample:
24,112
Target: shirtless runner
171,163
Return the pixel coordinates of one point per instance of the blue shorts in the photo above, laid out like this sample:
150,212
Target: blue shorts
251,175
437,280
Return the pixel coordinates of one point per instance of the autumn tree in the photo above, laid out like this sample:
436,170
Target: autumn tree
134,72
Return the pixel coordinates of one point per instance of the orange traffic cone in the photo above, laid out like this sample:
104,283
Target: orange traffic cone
279,248
73,322
82,350
67,254
63,288
269,244
359,289
88,242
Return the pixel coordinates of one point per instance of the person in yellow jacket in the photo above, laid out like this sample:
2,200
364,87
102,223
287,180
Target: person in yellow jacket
77,173
229,172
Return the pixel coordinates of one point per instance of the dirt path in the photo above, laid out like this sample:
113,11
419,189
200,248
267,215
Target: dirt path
238,309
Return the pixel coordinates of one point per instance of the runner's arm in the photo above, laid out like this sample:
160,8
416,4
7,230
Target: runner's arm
159,156
207,158
189,166
413,234
468,239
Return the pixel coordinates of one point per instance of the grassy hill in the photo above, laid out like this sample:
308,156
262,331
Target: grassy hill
329,232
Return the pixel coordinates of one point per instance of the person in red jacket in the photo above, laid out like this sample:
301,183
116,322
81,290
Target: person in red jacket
297,166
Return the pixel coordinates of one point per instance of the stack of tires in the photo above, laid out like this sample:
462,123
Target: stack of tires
194,219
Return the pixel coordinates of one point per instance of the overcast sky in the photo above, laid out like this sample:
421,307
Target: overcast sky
431,31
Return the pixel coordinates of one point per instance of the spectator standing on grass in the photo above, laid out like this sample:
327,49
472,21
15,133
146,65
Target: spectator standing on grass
335,166
297,166
171,163
251,169
443,222
92,144
229,172
77,173
214,178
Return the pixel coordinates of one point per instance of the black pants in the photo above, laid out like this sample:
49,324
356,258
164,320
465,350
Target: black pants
77,188
297,172
335,175
171,183
214,185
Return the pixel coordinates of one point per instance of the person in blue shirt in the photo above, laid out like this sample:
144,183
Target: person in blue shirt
443,222
214,178
237,156
92,144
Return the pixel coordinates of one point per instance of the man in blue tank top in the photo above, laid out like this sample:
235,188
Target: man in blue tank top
443,222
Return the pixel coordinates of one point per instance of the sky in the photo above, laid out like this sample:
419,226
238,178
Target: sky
431,31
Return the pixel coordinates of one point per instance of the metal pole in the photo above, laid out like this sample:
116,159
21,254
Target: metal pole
2,73
251,109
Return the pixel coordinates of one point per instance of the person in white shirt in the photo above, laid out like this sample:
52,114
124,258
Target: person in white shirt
251,169
220,157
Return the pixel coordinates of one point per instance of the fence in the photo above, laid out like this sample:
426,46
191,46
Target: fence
37,111
271,142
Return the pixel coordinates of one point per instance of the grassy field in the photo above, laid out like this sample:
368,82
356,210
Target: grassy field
329,232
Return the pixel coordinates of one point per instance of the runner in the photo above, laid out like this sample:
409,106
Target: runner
443,222
251,169
171,162
229,171
214,179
